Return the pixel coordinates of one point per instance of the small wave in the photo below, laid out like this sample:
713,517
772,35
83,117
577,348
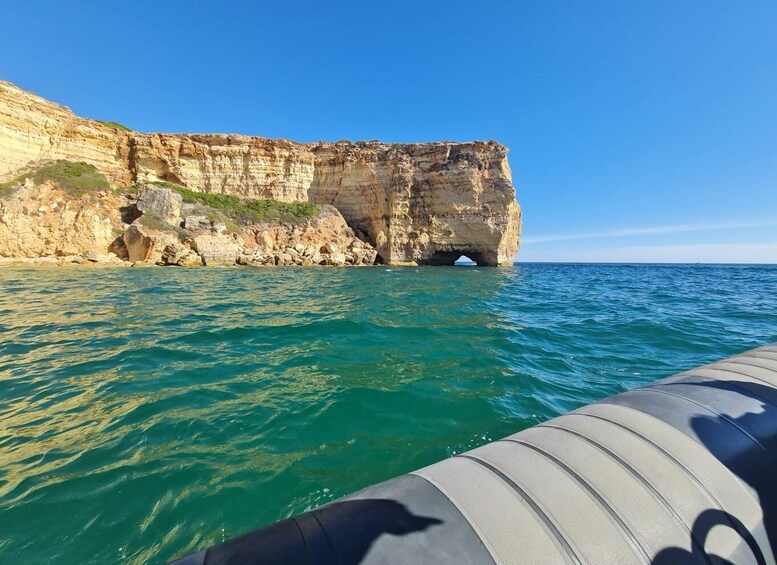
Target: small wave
147,396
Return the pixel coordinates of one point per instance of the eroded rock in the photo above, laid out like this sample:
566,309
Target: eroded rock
161,202
146,245
217,249
196,223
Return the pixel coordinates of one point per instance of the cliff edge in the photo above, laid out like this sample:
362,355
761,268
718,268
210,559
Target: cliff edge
424,203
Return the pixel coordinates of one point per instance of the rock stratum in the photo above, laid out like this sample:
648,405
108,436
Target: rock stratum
424,203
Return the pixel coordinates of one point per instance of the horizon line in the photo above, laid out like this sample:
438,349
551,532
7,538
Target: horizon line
654,230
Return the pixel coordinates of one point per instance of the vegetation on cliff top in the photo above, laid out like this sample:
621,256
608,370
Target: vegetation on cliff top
115,125
76,179
246,211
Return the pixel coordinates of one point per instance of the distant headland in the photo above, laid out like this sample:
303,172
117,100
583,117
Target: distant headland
76,190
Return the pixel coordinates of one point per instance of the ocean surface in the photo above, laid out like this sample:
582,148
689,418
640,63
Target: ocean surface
147,413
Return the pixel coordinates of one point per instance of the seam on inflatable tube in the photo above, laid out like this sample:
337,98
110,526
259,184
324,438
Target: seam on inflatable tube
598,498
734,523
719,370
707,408
738,361
637,475
538,511
478,532
731,384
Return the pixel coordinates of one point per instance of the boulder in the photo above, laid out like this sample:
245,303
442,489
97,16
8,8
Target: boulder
69,260
337,259
196,223
217,249
329,247
102,258
161,202
145,244
174,253
94,257
369,256
265,240
190,260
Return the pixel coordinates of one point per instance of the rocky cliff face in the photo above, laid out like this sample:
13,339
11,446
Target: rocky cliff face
421,203
44,224
43,221
33,129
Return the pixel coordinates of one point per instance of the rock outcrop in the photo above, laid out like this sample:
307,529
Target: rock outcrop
424,203
43,224
161,202
324,240
146,245
217,250
43,221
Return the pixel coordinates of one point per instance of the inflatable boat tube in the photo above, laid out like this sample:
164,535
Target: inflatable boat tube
683,470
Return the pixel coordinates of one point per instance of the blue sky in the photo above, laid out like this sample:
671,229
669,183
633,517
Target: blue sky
638,131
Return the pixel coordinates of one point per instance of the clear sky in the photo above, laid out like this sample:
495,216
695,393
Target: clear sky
638,130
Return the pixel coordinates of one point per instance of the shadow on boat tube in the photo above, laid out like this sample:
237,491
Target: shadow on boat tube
351,528
746,443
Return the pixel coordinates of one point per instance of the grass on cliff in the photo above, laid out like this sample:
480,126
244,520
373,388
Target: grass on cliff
115,125
246,211
7,188
76,179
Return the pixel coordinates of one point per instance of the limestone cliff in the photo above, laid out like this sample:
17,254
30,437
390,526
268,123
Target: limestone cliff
33,130
422,203
44,221
50,222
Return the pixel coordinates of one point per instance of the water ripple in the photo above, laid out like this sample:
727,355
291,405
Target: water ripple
156,411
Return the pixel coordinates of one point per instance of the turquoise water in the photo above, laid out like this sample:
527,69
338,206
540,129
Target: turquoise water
146,413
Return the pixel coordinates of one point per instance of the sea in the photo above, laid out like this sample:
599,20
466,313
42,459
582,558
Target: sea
146,413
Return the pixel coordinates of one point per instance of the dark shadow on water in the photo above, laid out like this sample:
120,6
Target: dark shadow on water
753,459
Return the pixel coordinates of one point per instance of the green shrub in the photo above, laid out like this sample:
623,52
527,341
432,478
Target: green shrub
76,179
7,188
246,211
115,125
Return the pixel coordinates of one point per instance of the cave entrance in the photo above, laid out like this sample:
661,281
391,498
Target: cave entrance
457,257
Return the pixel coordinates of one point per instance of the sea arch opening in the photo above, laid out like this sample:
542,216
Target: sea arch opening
452,257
